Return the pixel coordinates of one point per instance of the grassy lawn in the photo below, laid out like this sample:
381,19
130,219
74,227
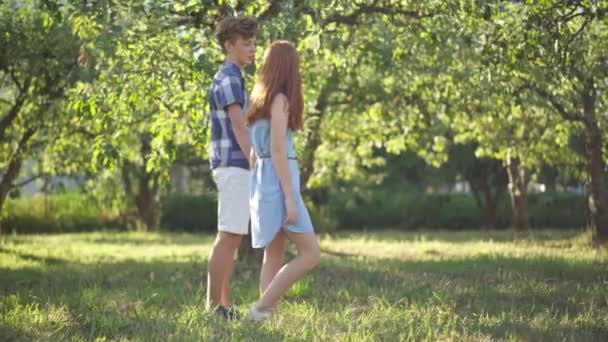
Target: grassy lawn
480,286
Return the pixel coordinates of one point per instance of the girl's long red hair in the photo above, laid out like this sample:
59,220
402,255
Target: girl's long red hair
279,73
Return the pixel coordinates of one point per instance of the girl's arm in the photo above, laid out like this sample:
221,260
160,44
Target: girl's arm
279,115
252,158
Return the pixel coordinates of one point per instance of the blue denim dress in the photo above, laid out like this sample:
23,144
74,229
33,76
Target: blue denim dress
266,198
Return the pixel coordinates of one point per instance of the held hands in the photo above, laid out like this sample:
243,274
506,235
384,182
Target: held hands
252,161
253,158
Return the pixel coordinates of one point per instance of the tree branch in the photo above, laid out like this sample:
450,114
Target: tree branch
353,18
272,11
14,111
576,34
83,131
555,103
11,116
14,166
16,81
27,181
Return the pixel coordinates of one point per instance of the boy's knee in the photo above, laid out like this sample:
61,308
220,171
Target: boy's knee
228,240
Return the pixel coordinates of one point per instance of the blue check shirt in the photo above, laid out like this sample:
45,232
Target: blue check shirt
228,87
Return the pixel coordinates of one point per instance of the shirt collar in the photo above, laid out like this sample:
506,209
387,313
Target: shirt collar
232,66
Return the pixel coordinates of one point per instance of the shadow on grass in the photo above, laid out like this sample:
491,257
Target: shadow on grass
120,237
503,235
495,286
142,300
10,334
125,299
163,238
33,257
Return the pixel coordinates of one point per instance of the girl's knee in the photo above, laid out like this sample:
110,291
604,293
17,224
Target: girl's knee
273,256
313,256
317,256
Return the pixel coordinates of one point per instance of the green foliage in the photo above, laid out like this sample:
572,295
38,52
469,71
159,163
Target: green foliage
349,208
322,217
39,63
57,213
409,209
121,85
189,213
558,210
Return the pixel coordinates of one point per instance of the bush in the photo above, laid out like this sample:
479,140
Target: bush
189,212
356,209
558,210
448,211
322,219
413,210
66,212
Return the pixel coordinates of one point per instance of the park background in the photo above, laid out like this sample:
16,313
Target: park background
453,161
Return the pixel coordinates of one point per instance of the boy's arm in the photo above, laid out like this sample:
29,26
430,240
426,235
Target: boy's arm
238,127
229,96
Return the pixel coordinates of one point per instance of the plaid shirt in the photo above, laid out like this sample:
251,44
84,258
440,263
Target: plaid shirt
228,87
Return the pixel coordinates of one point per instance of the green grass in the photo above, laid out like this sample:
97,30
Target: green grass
440,286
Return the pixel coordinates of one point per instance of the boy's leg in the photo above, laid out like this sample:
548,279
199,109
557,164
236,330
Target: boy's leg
221,265
233,219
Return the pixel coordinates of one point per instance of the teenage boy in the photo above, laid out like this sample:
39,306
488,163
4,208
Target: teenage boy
229,151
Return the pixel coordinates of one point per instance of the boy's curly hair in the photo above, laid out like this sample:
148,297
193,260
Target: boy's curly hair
229,28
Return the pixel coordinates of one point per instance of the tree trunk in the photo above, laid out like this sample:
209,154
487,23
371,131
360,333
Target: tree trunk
490,205
14,167
598,200
312,133
8,178
486,201
549,175
518,191
490,213
12,171
487,179
145,200
13,112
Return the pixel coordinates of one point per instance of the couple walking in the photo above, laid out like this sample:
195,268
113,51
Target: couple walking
255,169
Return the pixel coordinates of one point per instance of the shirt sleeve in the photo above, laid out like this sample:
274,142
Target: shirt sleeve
230,91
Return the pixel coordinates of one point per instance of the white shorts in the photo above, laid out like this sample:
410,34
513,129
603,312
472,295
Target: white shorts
232,199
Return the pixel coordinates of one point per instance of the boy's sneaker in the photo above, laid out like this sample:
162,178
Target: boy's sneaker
228,312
